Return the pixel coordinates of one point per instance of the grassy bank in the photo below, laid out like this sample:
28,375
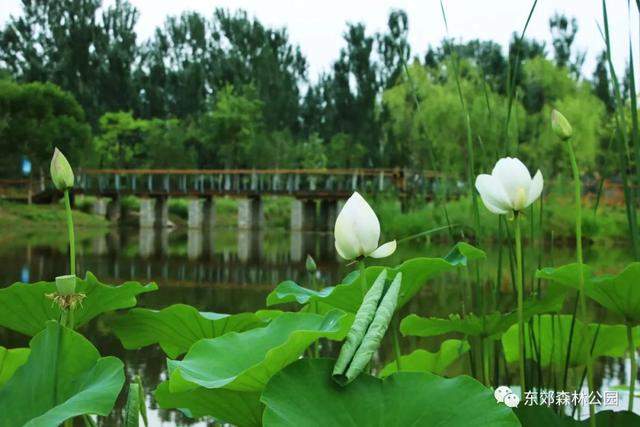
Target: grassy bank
606,226
45,224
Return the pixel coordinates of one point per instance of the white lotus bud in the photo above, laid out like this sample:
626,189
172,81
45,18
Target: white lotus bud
357,231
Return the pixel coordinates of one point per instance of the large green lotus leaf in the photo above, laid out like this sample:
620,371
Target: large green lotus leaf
64,377
426,361
543,416
10,361
303,394
177,327
348,295
492,325
24,307
244,361
619,293
552,334
240,408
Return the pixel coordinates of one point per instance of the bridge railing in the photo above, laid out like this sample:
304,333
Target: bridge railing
241,181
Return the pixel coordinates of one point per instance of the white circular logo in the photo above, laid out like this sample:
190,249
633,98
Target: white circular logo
511,400
502,392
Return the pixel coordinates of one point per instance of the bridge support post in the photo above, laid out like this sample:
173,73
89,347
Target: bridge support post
100,206
196,213
147,242
303,215
114,209
154,212
328,213
195,244
210,212
250,214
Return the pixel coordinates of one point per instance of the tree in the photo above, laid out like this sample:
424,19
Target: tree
120,142
394,48
36,118
229,135
563,32
601,85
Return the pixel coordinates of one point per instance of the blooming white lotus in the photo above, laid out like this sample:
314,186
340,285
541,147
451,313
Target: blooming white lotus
357,231
509,187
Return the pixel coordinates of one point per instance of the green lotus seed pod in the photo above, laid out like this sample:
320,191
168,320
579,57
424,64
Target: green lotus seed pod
310,265
561,125
66,285
61,172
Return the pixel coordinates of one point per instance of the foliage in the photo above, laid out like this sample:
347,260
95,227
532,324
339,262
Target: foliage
37,118
425,361
237,407
10,361
258,353
141,327
348,295
63,377
553,332
25,307
303,394
618,293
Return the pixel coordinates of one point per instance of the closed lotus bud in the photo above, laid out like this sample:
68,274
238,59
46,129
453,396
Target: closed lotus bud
66,285
357,231
561,125
310,265
61,172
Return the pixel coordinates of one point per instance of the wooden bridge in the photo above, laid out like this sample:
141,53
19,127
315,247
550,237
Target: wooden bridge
317,193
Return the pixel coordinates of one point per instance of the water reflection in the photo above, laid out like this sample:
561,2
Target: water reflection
231,271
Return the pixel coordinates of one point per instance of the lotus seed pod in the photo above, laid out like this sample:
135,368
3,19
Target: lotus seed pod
561,125
66,285
61,172
310,265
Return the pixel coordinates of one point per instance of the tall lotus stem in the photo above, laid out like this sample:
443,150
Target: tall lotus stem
520,298
71,234
634,367
563,129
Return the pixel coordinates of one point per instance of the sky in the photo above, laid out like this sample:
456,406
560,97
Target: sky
317,26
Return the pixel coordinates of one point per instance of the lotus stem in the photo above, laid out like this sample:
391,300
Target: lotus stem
396,342
363,279
520,292
70,232
314,286
486,344
634,367
583,299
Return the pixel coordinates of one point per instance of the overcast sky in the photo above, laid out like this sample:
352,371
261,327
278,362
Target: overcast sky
317,26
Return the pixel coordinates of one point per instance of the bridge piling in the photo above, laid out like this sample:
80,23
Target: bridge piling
114,209
329,210
303,215
100,206
250,214
154,212
196,213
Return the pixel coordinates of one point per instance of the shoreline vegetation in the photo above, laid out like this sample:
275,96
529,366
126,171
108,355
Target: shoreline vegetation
606,226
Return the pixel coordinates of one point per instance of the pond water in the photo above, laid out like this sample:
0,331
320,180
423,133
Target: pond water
231,271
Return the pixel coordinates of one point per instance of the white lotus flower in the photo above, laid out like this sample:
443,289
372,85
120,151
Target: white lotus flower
357,231
509,187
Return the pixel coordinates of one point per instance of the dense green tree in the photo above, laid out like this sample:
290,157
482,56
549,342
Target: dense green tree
229,135
601,83
120,142
34,119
